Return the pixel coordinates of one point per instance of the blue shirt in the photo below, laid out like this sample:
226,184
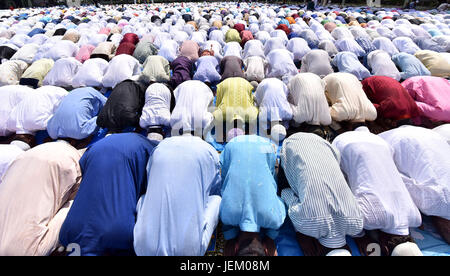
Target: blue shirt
102,217
366,44
180,210
410,66
207,70
249,190
76,115
347,62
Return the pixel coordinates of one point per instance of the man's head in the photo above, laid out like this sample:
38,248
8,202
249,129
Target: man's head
390,243
24,141
251,247
234,132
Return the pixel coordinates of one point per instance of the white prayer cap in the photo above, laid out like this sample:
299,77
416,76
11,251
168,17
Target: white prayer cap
22,145
155,136
407,249
278,132
339,252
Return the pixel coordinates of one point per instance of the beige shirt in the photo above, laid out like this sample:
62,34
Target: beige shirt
39,69
35,196
436,63
157,69
105,48
348,100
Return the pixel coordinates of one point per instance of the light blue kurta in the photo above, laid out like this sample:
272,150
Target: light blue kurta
76,115
179,212
249,191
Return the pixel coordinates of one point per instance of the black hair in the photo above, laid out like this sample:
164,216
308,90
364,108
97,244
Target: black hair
251,247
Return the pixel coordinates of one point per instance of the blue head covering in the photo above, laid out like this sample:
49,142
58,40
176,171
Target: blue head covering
284,21
76,115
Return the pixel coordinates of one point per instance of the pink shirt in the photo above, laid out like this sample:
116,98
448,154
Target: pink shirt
84,53
105,31
190,50
432,96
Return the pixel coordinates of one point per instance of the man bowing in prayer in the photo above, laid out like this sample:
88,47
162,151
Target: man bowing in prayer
423,158
180,211
379,190
103,214
251,210
39,187
320,204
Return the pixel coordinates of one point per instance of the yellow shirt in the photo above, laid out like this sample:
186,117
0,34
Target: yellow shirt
232,35
235,101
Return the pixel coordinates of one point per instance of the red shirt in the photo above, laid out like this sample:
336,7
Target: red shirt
125,48
239,27
284,27
390,98
130,37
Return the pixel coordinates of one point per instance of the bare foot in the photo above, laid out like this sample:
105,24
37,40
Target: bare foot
443,227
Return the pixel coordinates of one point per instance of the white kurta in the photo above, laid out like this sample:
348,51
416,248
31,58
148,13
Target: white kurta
423,157
271,98
406,45
281,65
253,48
444,131
385,44
62,49
382,65
10,97
156,111
191,110
366,160
26,53
255,67
120,68
308,101
8,153
299,47
232,49
33,112
273,44
317,62
91,73
62,72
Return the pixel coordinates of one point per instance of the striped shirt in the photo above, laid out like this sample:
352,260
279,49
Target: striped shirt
320,203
